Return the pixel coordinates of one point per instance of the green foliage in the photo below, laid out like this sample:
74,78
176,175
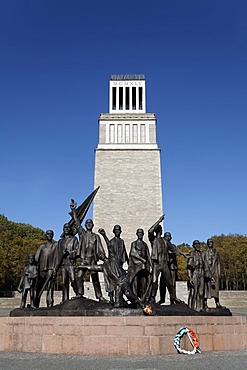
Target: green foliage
182,262
17,240
233,256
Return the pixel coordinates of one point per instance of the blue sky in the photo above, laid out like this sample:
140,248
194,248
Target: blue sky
56,58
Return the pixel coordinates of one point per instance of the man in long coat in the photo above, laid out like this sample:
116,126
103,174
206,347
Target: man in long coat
212,259
114,274
197,272
45,259
66,254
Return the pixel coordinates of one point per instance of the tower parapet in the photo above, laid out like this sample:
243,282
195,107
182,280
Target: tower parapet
127,94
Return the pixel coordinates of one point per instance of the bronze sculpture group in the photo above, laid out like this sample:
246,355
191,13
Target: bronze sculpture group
204,276
139,284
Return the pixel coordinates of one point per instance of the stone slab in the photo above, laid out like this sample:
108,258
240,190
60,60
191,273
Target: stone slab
114,336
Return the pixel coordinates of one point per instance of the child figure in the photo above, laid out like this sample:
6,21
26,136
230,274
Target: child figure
28,282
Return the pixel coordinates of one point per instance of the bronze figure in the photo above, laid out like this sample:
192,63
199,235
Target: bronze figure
159,257
45,258
197,271
113,266
212,285
28,282
140,265
67,252
90,252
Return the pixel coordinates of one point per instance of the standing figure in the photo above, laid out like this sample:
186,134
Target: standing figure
173,267
66,258
90,252
139,265
154,230
28,282
212,260
196,272
45,259
116,276
159,256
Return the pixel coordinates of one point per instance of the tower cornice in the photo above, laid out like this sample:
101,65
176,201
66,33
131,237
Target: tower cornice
126,116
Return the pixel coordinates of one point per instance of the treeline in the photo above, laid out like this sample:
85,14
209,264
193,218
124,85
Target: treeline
233,256
17,240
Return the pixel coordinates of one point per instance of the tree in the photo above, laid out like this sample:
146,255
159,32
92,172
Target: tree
17,241
182,262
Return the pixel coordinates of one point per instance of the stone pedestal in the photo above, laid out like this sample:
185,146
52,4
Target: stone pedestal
126,336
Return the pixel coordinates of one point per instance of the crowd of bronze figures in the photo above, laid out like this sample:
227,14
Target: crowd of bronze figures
149,269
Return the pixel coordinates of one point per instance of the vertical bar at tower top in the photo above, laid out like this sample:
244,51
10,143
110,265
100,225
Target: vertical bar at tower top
130,92
127,97
137,99
114,97
140,105
120,96
117,98
124,99
133,98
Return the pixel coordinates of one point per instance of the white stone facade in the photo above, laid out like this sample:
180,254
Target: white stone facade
127,165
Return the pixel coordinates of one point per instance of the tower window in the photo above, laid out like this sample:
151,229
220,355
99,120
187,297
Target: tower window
140,98
112,133
143,133
134,98
119,133
114,98
127,98
135,134
120,98
127,133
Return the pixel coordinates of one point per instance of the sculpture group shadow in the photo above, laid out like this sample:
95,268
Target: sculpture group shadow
89,307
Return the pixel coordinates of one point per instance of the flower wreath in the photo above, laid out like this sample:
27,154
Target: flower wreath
192,338
147,310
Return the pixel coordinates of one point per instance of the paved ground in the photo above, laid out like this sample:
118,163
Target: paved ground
5,311
231,360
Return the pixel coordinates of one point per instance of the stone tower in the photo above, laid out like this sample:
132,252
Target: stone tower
127,161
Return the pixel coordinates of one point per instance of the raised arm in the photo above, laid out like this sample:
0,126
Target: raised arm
73,206
173,248
152,229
